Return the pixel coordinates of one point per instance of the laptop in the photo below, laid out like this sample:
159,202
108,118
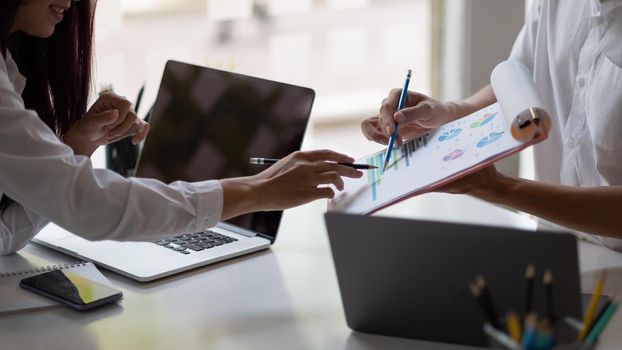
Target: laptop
205,124
409,278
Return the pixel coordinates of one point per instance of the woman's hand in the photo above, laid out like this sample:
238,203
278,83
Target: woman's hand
487,184
110,119
297,179
420,114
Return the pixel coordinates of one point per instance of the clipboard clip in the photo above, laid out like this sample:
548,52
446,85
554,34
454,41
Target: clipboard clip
523,120
530,123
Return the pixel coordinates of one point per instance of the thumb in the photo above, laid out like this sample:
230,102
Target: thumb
106,118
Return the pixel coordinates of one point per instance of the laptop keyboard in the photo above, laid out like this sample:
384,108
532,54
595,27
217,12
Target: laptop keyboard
187,242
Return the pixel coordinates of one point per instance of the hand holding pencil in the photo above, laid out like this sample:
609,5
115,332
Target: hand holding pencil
299,178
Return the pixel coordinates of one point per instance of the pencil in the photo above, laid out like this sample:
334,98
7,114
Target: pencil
589,313
400,105
139,98
529,276
480,282
477,295
599,315
548,287
530,330
543,337
601,323
513,326
351,165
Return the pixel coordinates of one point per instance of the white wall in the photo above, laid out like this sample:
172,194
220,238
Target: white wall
477,34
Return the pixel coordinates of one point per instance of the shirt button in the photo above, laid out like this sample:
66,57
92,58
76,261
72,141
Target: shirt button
582,82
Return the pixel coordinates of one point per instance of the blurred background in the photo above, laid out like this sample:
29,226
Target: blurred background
351,52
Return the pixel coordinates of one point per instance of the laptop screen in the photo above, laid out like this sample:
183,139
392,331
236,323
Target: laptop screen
206,124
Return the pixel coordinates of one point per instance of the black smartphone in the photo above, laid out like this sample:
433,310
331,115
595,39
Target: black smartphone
71,289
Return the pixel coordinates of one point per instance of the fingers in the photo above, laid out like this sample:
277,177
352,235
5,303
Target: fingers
106,118
372,132
143,130
125,127
330,177
388,110
320,161
342,170
426,114
109,101
324,192
324,154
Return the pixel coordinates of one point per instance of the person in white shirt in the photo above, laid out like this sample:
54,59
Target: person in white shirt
47,135
574,50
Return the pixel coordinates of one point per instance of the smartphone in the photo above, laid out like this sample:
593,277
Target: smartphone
71,289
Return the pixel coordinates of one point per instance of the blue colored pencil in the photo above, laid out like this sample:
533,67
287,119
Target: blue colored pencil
400,105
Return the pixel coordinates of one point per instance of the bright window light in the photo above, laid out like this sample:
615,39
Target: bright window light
290,56
348,50
223,10
398,44
289,7
347,4
109,17
136,6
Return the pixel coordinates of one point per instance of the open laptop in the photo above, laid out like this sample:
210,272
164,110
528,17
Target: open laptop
409,278
206,124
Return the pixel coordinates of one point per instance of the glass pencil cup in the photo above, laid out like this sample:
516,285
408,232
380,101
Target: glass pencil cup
567,330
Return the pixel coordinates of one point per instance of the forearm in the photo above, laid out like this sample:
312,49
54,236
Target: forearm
17,227
95,203
594,210
240,196
79,145
477,101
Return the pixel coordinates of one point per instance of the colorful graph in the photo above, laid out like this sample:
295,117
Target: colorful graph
453,155
399,154
448,135
494,136
483,120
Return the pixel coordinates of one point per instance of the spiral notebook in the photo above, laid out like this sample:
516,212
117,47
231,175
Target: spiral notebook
14,299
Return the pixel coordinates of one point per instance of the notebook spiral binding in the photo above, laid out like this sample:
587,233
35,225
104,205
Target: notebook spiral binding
43,269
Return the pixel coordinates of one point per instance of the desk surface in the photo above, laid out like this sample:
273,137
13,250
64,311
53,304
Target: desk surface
285,298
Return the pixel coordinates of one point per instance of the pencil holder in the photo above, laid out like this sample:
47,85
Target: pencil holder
566,330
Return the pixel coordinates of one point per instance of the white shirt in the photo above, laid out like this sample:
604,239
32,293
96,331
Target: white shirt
574,49
49,183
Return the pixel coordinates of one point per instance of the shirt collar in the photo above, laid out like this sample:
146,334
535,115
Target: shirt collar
18,80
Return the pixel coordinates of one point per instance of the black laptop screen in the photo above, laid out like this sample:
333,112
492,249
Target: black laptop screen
207,123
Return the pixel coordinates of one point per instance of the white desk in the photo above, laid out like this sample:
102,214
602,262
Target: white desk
284,298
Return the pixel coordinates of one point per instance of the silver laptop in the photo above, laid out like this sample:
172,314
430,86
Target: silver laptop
205,124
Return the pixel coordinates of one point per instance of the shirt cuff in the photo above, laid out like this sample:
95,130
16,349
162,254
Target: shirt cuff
209,203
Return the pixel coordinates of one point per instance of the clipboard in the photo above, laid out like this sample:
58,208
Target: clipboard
454,150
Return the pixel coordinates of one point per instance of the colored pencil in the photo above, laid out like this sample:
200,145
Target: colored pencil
591,309
548,287
480,281
529,281
601,323
513,326
530,330
400,105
